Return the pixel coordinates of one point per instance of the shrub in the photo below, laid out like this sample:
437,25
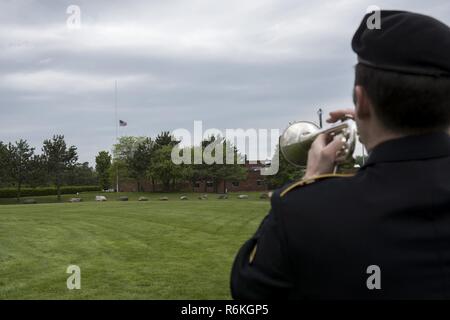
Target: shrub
45,191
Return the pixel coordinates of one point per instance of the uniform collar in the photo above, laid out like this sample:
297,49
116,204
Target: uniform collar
415,147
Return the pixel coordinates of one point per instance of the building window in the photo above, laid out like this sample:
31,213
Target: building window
235,183
259,182
209,184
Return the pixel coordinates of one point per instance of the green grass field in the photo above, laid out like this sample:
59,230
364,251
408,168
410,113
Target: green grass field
126,250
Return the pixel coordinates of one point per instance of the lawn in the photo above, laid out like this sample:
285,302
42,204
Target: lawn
126,250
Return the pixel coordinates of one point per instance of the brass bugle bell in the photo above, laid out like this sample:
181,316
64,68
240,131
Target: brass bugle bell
298,137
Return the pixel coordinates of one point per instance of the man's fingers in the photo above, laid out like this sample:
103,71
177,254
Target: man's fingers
323,154
339,114
334,149
320,142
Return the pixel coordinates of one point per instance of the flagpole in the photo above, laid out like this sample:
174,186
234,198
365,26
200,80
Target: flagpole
117,135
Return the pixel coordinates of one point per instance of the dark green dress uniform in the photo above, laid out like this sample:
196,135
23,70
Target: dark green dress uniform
320,237
327,238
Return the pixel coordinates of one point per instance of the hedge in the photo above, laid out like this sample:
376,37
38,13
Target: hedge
46,191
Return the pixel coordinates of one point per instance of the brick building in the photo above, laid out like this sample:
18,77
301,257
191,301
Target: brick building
254,182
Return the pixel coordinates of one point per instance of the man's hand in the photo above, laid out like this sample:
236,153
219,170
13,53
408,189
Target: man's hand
324,153
339,114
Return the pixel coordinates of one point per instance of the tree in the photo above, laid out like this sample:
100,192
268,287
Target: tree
123,152
3,164
102,166
19,158
58,159
223,171
126,146
140,161
197,172
164,170
133,157
287,172
81,174
203,171
230,171
38,175
118,168
165,139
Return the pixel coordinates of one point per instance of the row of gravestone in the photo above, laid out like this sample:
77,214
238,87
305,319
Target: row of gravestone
124,198
202,197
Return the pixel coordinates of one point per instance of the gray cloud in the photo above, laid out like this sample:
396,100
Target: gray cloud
232,64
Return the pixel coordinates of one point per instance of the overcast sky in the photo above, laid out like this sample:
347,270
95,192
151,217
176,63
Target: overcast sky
230,63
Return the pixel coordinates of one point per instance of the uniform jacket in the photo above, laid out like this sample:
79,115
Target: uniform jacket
321,240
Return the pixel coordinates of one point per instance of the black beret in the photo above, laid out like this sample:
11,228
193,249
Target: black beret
406,42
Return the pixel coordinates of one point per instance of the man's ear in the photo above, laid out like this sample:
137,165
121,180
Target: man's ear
362,103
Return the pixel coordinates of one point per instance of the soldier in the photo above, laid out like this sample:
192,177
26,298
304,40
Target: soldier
383,233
